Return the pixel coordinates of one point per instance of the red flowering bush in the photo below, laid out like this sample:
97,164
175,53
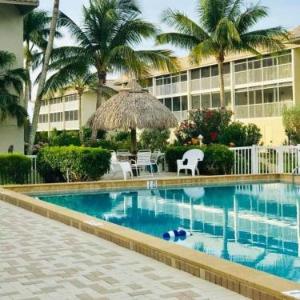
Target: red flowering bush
207,122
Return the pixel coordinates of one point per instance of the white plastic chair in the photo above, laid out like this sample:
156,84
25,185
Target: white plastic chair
143,160
190,161
126,169
113,161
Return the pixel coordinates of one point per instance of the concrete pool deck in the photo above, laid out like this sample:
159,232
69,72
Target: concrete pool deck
235,277
43,259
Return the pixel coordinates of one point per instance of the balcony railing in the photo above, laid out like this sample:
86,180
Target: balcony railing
264,74
171,89
209,83
261,110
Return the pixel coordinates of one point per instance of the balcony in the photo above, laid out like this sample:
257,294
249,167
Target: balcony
171,89
209,83
274,109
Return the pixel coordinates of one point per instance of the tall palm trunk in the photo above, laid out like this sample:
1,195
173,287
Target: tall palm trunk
133,140
101,83
42,81
220,60
79,115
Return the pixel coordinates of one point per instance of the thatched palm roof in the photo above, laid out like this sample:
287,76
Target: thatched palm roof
132,108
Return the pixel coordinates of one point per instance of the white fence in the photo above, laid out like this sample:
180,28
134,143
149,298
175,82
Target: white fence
266,159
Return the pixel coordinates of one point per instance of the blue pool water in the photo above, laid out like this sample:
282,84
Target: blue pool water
256,225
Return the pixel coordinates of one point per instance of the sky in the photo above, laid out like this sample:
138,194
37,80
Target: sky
285,13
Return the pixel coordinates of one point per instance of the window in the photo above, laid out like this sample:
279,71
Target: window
241,98
176,104
285,93
205,72
159,81
71,115
270,95
43,118
216,101
70,98
205,101
168,103
196,102
240,66
184,103
227,68
268,62
183,77
195,74
285,59
227,98
167,80
214,71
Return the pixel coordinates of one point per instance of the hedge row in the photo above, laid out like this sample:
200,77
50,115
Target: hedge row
218,159
14,168
55,164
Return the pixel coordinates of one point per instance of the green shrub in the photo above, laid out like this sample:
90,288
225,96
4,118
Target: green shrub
105,144
81,163
154,139
41,137
218,159
14,168
64,138
240,135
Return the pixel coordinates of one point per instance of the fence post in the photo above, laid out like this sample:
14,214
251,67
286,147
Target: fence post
298,156
254,160
279,161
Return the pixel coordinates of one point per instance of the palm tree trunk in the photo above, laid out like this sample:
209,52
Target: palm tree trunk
42,81
101,83
133,141
220,60
79,117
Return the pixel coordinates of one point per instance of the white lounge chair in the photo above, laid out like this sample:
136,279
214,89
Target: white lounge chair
126,169
190,161
114,163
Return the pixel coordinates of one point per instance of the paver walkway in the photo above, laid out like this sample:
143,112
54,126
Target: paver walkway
43,259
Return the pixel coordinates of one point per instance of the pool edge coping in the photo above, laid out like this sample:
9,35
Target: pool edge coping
243,280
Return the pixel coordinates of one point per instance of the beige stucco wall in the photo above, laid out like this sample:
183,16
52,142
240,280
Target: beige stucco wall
271,128
11,37
88,106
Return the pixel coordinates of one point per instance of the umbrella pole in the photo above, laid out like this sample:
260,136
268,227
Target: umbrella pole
133,140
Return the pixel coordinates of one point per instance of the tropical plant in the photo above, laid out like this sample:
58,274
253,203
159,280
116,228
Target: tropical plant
43,75
35,35
207,122
106,43
291,123
222,28
154,139
240,135
11,86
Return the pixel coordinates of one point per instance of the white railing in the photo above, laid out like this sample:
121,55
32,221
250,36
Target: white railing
266,159
274,109
209,83
33,176
171,88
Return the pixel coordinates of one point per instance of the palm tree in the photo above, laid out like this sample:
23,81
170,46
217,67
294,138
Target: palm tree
11,86
222,28
111,29
36,32
43,75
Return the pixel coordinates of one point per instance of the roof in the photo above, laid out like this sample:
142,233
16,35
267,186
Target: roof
23,5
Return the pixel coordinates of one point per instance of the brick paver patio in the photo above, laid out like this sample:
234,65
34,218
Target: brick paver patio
43,259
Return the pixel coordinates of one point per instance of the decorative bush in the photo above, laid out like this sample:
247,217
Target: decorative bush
291,123
208,123
81,163
239,135
154,139
64,138
14,168
218,159
105,144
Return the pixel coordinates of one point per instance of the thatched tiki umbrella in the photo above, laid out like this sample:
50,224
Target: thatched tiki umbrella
131,109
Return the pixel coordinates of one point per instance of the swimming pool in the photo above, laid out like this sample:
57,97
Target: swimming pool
256,225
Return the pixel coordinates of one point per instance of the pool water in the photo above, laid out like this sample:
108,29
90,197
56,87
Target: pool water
256,225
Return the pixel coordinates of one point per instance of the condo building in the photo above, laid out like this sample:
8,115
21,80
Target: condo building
258,89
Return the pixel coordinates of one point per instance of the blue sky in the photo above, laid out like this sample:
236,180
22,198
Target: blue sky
281,12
